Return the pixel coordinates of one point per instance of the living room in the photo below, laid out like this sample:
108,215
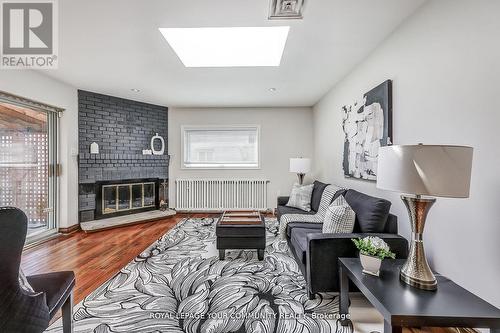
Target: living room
180,167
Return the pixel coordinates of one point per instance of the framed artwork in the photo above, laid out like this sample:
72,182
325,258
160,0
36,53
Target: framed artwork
367,125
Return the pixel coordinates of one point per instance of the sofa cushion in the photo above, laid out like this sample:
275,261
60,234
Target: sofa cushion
306,225
340,191
318,189
298,241
301,197
281,210
371,212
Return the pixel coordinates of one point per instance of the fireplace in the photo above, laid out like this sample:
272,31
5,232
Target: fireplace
116,198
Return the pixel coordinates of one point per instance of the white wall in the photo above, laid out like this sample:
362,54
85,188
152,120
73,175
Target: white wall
38,87
444,63
284,133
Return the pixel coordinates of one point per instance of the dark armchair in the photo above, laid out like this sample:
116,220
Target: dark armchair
21,310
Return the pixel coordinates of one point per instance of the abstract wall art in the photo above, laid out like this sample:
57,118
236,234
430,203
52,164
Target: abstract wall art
367,125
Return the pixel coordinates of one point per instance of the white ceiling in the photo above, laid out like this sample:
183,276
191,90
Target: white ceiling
113,46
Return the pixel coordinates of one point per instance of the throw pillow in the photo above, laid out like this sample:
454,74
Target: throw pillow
339,217
24,284
340,193
371,212
301,197
317,194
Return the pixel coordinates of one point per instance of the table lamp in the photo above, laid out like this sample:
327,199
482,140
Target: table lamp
300,166
423,170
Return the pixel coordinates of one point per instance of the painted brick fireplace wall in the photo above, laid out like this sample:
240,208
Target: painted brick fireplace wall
122,128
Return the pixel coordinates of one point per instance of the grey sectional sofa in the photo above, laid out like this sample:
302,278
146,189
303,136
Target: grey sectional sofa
317,253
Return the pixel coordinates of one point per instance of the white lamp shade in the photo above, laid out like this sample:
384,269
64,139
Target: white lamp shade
442,171
300,165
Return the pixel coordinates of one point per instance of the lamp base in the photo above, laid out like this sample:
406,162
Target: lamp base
416,271
301,178
417,283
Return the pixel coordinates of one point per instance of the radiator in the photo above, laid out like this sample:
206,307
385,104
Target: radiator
221,194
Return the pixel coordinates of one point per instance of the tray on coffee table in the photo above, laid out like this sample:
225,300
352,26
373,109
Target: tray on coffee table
242,218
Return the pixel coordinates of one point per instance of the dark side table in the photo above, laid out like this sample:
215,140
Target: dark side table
405,306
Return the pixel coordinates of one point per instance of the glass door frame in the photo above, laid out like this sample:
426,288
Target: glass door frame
53,115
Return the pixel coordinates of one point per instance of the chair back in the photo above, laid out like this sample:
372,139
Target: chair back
19,311
13,228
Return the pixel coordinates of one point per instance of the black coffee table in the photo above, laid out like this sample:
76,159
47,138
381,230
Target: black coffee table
241,230
405,306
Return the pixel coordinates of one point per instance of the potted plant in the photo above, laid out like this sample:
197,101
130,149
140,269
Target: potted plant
372,250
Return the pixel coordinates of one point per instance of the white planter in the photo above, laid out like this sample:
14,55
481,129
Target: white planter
371,265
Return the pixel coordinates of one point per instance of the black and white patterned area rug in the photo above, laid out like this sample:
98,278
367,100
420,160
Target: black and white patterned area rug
179,285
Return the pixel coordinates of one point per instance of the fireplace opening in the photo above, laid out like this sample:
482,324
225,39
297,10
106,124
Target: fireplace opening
115,198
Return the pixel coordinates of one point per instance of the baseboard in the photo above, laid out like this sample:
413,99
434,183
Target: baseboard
41,241
70,229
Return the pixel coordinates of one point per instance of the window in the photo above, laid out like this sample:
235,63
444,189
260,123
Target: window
28,162
233,147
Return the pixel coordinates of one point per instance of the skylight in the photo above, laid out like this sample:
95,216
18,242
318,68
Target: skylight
228,47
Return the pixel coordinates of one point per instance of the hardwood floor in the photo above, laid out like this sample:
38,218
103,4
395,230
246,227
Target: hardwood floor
95,257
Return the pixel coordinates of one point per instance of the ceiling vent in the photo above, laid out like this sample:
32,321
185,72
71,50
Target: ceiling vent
286,9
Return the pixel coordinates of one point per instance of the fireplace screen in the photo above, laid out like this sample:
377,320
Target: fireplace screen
123,197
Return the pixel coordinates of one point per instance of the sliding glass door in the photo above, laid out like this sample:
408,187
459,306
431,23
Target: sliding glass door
28,163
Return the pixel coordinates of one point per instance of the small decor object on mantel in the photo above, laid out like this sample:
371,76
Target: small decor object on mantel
367,126
372,250
162,149
94,148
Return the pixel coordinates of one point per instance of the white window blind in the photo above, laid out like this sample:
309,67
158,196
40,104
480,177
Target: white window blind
221,147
